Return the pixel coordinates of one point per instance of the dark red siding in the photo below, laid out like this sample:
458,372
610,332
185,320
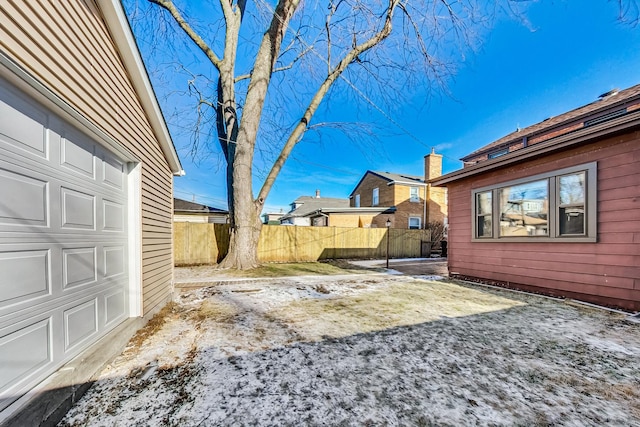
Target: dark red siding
606,272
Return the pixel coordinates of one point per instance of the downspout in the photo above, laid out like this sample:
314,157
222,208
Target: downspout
426,203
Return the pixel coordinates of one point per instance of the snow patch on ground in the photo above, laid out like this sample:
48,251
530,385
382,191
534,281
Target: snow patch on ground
372,350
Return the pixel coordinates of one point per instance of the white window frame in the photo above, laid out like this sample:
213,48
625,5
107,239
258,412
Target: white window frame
356,201
414,197
375,197
590,206
419,222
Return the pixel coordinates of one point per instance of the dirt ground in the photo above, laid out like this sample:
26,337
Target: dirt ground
370,350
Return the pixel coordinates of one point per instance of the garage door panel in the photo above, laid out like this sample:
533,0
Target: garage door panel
78,157
25,275
115,306
79,267
113,172
23,200
23,354
80,323
114,261
22,126
24,351
113,214
78,209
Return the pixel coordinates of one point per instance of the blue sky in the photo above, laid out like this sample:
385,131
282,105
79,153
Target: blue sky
566,56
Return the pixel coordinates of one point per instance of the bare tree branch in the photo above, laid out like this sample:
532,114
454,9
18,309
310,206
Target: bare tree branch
193,35
299,130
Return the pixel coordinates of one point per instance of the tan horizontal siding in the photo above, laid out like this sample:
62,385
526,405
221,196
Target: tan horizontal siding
153,219
160,273
154,300
67,47
153,192
605,272
155,210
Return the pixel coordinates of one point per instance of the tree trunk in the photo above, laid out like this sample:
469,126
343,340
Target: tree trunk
243,246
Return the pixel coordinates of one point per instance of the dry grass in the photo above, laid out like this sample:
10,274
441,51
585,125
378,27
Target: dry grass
212,309
329,268
154,325
405,303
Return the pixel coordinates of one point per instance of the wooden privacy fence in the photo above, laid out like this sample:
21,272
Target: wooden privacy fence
199,243
208,243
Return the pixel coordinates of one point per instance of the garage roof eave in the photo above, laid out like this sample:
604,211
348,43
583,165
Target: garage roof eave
120,30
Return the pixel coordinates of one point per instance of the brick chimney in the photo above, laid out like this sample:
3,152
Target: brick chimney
436,208
432,165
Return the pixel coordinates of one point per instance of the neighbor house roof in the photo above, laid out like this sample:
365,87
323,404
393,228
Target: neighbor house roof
616,113
609,105
353,211
310,204
392,178
184,206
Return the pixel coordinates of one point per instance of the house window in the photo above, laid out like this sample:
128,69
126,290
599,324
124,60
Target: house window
375,197
524,209
571,207
414,196
414,223
483,208
498,153
558,205
357,201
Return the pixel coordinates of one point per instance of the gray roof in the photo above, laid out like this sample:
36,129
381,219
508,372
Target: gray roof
350,210
184,206
399,177
311,204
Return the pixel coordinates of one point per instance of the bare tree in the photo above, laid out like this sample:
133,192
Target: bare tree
299,51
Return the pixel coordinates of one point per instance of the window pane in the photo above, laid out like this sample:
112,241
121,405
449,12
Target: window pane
414,223
572,220
414,194
572,188
483,203
524,209
484,228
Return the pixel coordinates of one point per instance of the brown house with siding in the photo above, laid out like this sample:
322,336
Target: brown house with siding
86,203
555,207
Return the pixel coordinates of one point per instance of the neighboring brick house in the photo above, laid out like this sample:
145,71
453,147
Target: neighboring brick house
405,194
554,208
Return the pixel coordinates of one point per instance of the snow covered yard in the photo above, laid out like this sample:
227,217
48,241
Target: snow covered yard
370,350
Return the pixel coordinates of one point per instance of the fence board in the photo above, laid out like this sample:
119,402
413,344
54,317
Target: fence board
196,243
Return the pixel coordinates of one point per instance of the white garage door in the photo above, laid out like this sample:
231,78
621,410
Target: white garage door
63,243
